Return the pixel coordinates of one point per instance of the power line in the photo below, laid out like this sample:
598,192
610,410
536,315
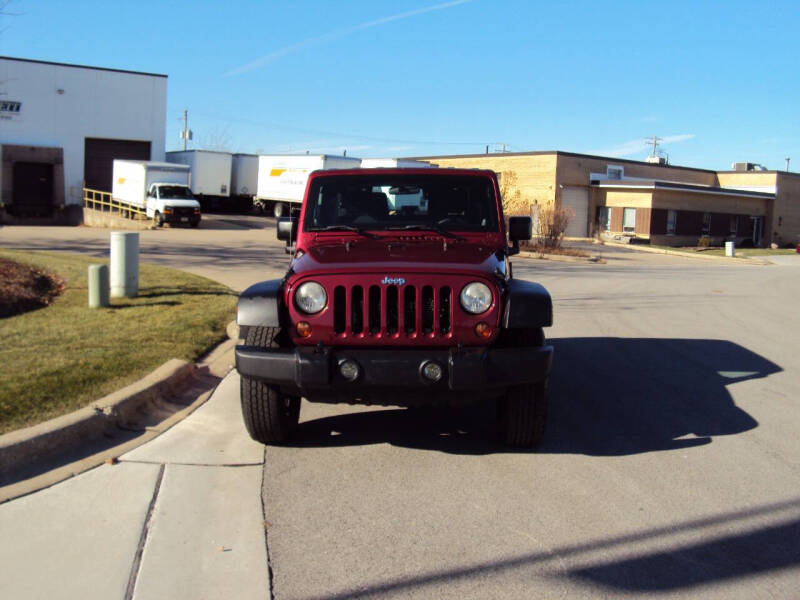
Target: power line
339,134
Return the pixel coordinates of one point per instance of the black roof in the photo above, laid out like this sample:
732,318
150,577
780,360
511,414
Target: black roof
558,153
58,64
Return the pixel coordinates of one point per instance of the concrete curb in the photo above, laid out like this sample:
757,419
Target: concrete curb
738,261
117,409
561,258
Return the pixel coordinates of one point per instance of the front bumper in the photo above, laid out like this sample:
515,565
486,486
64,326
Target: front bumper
182,217
311,370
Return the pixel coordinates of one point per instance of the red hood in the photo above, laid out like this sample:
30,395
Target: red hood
429,254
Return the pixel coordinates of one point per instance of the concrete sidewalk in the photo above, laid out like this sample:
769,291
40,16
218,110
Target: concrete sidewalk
180,516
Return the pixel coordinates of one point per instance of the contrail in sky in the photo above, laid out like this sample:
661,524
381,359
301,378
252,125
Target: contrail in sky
335,35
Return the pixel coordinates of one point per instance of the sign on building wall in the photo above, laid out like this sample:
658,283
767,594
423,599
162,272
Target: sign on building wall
10,110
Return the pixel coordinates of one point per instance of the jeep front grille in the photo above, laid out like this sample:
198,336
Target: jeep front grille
390,310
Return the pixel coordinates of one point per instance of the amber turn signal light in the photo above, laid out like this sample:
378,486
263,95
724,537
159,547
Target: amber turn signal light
482,330
303,329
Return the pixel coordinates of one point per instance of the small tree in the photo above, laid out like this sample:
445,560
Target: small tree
513,202
550,224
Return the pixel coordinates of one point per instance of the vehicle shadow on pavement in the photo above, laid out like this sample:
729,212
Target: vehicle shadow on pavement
658,559
608,397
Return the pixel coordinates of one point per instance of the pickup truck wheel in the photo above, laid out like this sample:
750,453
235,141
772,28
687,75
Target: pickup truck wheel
158,219
278,210
269,416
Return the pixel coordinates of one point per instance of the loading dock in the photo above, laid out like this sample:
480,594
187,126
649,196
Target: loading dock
32,190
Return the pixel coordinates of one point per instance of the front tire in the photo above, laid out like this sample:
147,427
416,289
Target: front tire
270,416
522,415
158,219
278,210
522,411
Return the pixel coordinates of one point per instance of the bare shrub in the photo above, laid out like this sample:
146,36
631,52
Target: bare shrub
550,223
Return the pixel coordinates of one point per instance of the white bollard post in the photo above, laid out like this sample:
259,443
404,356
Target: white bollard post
124,264
729,249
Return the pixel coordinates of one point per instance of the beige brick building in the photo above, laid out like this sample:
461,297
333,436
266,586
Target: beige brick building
665,204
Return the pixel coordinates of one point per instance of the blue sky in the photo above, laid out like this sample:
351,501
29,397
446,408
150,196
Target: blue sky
718,81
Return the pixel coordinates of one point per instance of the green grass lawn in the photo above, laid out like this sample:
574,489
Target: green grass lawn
62,357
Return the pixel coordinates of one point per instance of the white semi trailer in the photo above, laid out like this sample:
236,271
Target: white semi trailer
210,179
244,180
161,189
395,163
282,178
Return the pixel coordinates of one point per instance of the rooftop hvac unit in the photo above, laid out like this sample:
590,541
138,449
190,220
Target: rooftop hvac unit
657,160
748,166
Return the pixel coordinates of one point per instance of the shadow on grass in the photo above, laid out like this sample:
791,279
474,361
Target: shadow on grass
157,292
143,304
608,397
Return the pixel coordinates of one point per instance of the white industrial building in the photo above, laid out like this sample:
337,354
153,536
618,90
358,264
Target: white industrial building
62,125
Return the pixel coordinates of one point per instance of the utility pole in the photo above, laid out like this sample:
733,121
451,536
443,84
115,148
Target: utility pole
186,133
654,140
788,158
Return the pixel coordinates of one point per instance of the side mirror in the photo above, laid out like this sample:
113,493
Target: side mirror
519,228
287,229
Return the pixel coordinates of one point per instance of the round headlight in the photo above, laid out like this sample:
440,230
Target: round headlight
310,297
476,297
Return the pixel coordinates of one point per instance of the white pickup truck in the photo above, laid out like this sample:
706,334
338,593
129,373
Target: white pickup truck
161,189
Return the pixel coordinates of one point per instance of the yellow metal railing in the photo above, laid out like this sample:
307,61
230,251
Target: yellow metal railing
103,201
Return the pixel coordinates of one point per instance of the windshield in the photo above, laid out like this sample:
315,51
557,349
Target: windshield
175,191
383,201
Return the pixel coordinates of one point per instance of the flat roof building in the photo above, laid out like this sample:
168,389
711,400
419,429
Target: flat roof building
666,204
61,126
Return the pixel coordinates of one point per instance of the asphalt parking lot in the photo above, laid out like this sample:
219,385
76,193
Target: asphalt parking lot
670,468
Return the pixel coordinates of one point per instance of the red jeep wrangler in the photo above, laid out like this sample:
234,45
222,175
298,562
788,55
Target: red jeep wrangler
399,292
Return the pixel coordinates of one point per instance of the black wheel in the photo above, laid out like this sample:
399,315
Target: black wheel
278,210
269,416
522,412
158,219
522,415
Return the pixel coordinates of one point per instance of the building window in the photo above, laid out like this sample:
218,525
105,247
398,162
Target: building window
706,223
629,220
604,218
672,218
614,172
734,225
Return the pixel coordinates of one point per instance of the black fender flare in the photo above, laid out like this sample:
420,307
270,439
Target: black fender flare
528,304
260,305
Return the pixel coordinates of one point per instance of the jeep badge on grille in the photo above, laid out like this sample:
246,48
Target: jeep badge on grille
393,280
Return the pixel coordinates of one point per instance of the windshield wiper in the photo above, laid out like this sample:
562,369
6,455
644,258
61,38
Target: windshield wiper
352,228
429,227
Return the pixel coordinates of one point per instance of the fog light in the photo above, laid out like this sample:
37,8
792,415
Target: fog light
303,329
432,371
482,330
349,369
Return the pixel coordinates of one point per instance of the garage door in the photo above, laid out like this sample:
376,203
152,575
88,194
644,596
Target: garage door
32,190
576,200
99,155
